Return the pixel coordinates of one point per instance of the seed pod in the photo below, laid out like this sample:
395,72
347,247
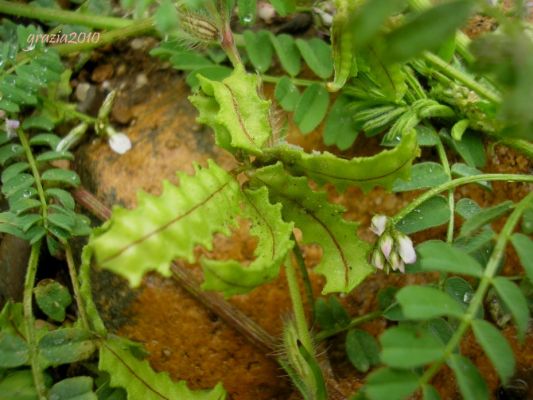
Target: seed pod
199,27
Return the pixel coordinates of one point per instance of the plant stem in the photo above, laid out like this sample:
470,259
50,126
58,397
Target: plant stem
451,201
298,307
296,81
460,76
75,285
36,175
353,323
138,28
62,16
305,276
477,300
455,183
29,283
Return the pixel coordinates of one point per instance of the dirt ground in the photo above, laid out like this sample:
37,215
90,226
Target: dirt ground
184,338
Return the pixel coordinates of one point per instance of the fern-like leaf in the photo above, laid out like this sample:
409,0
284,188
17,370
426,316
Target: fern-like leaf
236,112
164,228
365,172
140,381
344,260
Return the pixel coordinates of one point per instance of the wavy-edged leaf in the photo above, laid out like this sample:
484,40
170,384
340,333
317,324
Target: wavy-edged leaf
231,277
344,260
141,381
365,172
236,112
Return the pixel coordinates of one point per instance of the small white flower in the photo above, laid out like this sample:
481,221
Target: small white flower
406,249
11,127
386,244
266,12
377,260
378,225
396,263
119,143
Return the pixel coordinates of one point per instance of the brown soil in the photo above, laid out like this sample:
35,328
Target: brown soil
184,338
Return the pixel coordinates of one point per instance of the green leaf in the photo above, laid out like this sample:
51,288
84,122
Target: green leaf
259,49
311,108
38,121
78,388
344,260
515,301
235,111
65,222
187,60
284,7
432,212
166,17
467,208
484,217
365,172
247,11
64,197
141,381
370,17
14,351
423,175
287,52
427,30
430,393
527,222
18,385
340,129
287,94
214,72
461,291
45,139
398,344
496,347
209,202
435,255
13,170
344,61
65,346
459,129
330,313
470,381
391,384
470,148
54,155
524,247
362,349
64,176
389,76
24,205
18,182
52,298
317,55
461,170
10,151
420,302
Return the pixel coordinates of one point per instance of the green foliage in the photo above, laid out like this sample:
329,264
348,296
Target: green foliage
79,388
362,349
140,381
52,298
433,212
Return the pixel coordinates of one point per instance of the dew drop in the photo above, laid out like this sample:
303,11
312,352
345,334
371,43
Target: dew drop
247,19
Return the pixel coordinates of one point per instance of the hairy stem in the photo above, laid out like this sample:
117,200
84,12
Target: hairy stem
76,285
466,80
29,320
62,16
455,183
477,301
305,276
36,175
353,323
298,307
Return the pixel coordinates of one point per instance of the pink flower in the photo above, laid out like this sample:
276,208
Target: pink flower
406,249
386,246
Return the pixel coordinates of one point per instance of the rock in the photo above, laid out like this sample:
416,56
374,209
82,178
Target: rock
102,73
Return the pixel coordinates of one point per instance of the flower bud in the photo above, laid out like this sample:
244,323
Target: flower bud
73,137
119,142
378,225
11,127
406,249
378,260
385,244
396,262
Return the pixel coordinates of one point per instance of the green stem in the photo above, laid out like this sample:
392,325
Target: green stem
477,300
76,285
298,307
63,16
29,283
138,28
455,183
296,81
353,323
460,76
36,175
305,276
451,201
